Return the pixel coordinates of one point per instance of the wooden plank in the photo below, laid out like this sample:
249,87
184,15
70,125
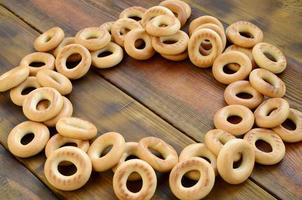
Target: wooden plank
182,94
17,182
115,111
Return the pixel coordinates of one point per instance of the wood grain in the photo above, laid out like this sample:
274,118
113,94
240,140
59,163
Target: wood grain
185,96
17,182
110,109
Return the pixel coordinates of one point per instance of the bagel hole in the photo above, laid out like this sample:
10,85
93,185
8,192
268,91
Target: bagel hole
130,157
27,138
37,64
169,41
27,90
134,186
222,141
67,168
55,78
187,182
91,37
246,34
47,38
289,125
267,81
271,111
140,44
228,70
207,159
234,119
104,54
42,105
244,95
68,144
206,44
263,146
270,56
237,163
156,153
204,52
124,31
71,62
163,25
136,18
106,150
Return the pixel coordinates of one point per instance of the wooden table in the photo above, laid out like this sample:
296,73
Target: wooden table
173,101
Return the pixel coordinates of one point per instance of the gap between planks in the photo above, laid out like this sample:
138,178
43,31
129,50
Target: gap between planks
135,100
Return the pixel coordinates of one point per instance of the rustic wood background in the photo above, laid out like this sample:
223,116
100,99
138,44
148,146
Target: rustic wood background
173,101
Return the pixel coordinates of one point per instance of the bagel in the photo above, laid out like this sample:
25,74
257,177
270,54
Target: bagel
155,26
114,58
226,158
35,146
104,162
269,136
49,40
271,112
50,78
289,135
231,57
136,52
46,59
71,154
267,83
147,174
277,65
31,101
247,119
179,43
81,68
170,157
196,57
93,38
76,128
205,182
13,78
253,33
232,92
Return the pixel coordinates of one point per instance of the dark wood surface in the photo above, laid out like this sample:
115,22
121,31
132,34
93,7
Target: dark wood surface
174,101
17,182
